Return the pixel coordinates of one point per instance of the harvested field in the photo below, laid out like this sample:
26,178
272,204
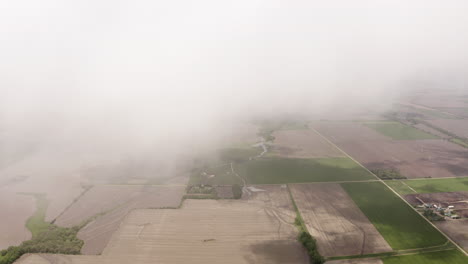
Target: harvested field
458,127
275,200
457,199
201,231
415,159
456,230
99,199
206,231
399,224
224,192
15,209
97,233
339,226
355,261
302,144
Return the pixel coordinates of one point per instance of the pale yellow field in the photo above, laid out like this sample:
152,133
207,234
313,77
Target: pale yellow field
331,217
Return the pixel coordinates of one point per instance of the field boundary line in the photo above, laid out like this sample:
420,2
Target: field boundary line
409,187
439,178
397,194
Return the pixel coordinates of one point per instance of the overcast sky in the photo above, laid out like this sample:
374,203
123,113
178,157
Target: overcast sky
132,74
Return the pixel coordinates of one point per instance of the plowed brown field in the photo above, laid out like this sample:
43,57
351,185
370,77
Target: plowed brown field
414,158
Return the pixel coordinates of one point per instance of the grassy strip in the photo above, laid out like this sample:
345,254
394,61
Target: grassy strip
446,246
304,237
453,137
459,141
430,185
399,131
397,222
440,257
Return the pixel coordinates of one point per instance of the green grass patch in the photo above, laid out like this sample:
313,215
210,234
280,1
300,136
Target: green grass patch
397,222
399,131
400,187
432,185
461,142
36,223
283,170
440,257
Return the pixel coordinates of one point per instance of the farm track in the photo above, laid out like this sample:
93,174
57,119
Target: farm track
396,193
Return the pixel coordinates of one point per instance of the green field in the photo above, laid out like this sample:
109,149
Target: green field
397,222
440,257
399,131
283,170
430,186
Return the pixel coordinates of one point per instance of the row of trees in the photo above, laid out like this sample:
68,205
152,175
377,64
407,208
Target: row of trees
59,240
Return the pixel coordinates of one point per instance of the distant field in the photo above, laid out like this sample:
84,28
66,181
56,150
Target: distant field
218,175
399,131
440,257
401,227
282,170
430,186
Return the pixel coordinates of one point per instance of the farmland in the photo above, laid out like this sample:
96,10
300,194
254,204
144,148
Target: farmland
283,170
398,223
399,131
302,144
456,230
440,257
206,231
434,158
331,216
279,171
458,127
430,186
97,233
